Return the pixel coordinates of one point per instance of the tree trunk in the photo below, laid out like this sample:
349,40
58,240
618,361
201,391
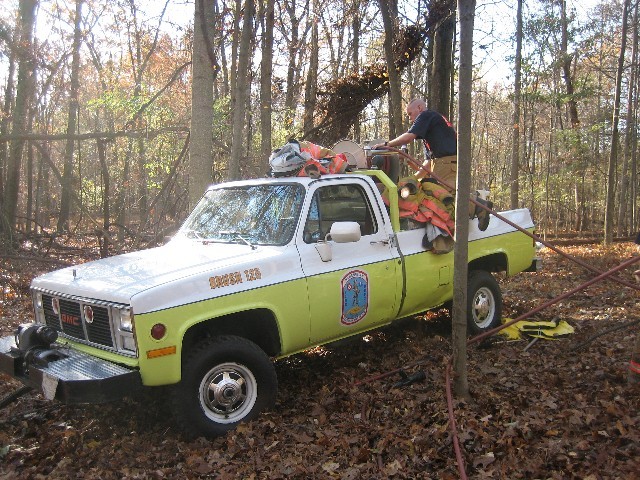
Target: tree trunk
615,134
106,184
41,208
389,11
428,60
5,118
204,69
355,28
29,213
566,69
235,40
634,141
442,67
72,122
241,92
293,46
24,92
515,145
224,64
125,184
566,61
266,75
311,86
140,65
463,187
624,225
143,180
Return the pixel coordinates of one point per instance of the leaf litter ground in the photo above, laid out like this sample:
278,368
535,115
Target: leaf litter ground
552,411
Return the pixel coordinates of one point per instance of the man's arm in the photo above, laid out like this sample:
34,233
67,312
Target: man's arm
398,141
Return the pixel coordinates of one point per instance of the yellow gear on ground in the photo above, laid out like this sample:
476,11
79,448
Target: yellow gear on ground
549,330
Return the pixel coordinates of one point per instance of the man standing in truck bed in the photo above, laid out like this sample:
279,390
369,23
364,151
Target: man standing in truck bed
440,145
438,137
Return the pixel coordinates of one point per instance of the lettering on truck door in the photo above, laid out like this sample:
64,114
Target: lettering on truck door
357,289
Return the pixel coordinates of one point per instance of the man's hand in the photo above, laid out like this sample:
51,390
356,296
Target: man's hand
425,170
378,146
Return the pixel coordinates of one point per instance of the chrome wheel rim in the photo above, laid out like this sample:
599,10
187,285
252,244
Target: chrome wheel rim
483,307
228,392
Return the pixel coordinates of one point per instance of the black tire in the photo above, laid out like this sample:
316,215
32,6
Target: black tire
484,302
226,380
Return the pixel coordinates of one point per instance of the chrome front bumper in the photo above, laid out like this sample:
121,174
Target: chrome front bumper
73,377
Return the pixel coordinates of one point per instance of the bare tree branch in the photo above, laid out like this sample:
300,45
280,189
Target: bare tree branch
94,135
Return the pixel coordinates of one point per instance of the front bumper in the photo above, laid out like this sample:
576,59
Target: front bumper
73,378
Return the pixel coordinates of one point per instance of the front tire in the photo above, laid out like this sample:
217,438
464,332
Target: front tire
225,380
484,302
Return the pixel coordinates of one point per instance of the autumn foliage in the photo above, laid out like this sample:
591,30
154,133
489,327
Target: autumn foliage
561,409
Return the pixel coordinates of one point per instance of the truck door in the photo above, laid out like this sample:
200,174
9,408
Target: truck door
357,289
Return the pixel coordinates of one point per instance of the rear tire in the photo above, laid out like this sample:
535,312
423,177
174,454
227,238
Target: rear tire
226,380
484,302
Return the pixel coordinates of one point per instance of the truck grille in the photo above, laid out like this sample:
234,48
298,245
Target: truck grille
72,322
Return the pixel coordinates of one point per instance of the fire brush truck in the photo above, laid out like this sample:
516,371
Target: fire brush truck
260,270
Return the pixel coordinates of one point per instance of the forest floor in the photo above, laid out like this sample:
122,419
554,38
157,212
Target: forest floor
557,410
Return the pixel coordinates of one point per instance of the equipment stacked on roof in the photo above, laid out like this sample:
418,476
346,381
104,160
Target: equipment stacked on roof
306,159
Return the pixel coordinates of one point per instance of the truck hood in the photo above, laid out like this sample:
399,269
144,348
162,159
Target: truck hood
118,278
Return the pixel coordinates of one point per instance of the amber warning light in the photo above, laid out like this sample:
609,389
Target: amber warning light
161,352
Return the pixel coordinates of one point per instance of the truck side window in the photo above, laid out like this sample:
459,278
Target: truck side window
338,203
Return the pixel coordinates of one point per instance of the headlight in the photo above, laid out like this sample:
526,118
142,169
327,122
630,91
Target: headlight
55,305
126,319
128,343
38,307
38,301
123,320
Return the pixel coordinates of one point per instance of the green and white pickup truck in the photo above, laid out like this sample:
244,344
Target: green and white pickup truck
260,270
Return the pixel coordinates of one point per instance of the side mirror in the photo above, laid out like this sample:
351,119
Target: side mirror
345,232
341,232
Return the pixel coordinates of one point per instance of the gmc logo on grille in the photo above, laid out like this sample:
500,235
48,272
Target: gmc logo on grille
70,319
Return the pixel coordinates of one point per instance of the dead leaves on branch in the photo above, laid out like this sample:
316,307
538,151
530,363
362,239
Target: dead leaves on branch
342,100
544,413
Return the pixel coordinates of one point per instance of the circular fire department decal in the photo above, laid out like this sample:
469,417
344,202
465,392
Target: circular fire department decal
355,297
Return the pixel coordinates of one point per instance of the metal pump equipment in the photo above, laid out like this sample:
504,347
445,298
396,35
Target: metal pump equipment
34,344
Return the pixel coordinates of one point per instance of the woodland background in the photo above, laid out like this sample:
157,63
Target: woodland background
116,115
98,133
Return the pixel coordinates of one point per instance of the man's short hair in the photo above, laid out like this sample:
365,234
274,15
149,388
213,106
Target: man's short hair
417,101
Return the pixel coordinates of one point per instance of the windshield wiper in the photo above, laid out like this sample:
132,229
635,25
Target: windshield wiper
238,236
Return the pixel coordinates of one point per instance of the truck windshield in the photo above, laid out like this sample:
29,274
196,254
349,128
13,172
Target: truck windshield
248,214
